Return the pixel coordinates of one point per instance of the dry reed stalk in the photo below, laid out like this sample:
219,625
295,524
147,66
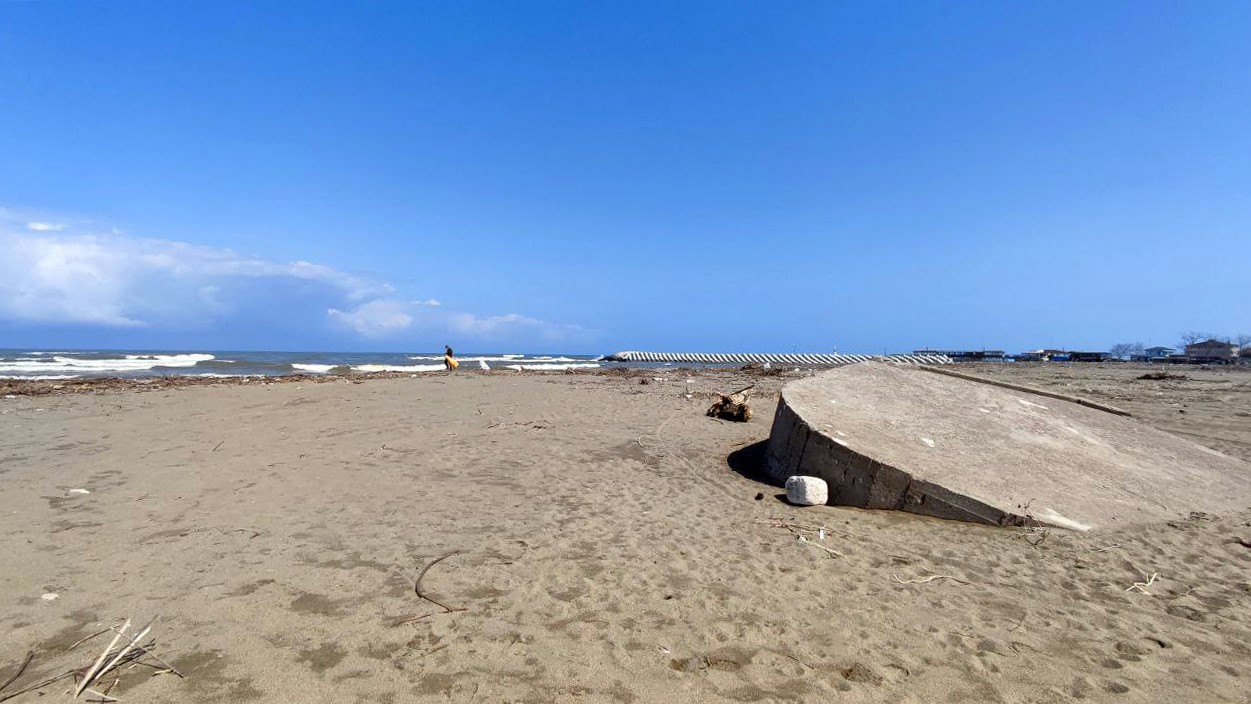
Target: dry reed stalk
38,685
411,619
20,669
93,635
833,553
927,580
91,672
133,642
1142,586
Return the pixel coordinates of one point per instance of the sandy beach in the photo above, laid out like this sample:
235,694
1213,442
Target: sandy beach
601,541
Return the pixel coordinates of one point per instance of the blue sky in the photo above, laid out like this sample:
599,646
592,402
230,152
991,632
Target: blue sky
587,177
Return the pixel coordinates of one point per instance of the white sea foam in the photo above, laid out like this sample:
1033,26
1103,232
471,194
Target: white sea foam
172,360
129,363
315,368
39,377
500,358
398,368
551,367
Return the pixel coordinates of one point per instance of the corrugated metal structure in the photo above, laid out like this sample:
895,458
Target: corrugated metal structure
797,360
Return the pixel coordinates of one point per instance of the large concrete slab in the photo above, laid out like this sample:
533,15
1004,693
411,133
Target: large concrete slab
890,437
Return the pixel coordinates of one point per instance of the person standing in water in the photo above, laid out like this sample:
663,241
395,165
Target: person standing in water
449,360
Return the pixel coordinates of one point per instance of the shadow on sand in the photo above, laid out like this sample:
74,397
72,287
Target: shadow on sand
750,463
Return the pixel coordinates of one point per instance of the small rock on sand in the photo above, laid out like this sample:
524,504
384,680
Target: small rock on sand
807,491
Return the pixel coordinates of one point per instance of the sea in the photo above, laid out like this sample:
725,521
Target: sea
49,364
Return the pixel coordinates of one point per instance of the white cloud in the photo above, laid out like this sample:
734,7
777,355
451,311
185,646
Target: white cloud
380,318
55,279
513,325
115,280
387,317
470,324
108,278
44,226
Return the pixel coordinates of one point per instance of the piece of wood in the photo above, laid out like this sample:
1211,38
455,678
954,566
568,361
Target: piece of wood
832,552
1142,586
91,672
84,640
133,641
727,407
411,619
20,669
926,580
424,570
38,685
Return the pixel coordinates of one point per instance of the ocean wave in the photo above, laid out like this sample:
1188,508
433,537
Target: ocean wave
129,363
370,368
39,377
315,368
499,358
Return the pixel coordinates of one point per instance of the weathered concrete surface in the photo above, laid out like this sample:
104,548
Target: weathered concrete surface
884,436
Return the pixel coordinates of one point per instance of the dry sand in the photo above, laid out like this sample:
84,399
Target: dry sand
607,547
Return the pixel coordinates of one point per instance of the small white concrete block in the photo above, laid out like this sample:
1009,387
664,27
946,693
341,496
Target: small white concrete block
807,491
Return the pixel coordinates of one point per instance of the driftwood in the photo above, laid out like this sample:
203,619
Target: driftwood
424,570
20,669
1142,586
121,650
413,619
927,580
732,406
417,590
38,685
91,671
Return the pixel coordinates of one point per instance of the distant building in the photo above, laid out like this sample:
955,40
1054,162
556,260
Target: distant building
1089,356
967,355
1212,351
1042,356
1155,354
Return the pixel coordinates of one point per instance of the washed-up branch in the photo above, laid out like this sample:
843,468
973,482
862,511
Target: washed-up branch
424,570
20,669
927,580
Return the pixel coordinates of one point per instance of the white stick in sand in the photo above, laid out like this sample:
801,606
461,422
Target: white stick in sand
100,660
1142,586
927,580
133,641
